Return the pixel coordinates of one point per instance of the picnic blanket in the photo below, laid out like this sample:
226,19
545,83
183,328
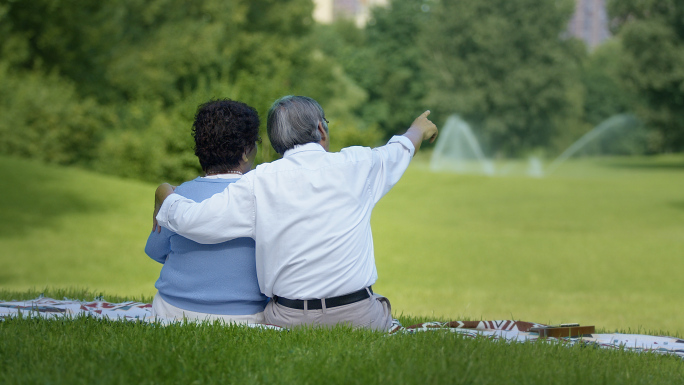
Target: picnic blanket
50,308
505,330
521,331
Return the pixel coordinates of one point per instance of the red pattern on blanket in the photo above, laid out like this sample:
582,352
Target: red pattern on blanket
507,325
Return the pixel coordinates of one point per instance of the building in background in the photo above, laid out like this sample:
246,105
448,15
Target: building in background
589,22
323,11
327,11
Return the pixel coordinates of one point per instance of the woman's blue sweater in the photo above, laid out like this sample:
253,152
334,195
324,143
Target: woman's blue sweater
213,279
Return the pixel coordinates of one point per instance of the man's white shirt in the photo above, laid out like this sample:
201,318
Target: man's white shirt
309,214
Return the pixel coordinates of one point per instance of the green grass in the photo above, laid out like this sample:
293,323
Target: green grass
87,350
600,243
64,227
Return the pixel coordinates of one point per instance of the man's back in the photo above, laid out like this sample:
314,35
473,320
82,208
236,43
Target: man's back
313,218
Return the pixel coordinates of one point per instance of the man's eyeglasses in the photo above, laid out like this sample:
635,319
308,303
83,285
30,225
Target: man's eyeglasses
326,120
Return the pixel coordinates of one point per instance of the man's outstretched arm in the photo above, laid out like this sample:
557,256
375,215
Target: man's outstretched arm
224,216
392,159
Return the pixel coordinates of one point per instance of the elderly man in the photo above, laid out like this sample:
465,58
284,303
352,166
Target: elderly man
309,214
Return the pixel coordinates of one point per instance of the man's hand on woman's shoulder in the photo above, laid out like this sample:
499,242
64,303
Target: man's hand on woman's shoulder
163,191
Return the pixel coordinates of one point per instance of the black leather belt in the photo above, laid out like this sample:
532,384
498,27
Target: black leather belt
315,304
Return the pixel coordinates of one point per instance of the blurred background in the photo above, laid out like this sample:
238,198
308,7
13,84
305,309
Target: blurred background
113,86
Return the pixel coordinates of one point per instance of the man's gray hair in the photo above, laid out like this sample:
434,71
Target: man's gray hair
293,120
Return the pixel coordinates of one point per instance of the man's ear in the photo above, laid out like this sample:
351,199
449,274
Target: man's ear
324,133
325,137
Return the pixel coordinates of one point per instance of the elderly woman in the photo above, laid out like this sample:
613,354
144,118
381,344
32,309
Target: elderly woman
210,282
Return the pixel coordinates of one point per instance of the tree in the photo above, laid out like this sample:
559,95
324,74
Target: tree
114,85
605,95
652,34
395,79
503,66
43,118
384,59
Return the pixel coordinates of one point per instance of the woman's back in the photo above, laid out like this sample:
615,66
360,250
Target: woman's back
212,279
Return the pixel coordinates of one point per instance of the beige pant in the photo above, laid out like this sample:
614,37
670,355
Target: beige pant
163,309
372,313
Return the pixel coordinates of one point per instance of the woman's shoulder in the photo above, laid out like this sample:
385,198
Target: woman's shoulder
200,188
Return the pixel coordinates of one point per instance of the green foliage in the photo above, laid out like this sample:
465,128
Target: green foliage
65,37
161,150
652,34
396,82
384,59
345,135
605,95
114,86
116,51
501,65
43,118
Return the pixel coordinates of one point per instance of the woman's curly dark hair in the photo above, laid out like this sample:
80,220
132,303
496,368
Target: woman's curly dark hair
223,130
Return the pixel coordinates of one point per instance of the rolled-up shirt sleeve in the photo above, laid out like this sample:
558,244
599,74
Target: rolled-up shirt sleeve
389,164
222,217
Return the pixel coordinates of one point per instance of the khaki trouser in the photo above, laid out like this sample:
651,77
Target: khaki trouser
374,313
163,309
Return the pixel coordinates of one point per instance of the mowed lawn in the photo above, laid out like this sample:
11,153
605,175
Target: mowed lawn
599,242
65,227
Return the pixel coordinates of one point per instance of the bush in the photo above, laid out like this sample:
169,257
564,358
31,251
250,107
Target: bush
43,118
150,143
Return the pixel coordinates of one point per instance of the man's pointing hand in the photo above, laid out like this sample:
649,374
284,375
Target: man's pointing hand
422,129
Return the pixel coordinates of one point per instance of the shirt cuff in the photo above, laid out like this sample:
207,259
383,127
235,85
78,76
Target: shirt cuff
166,211
405,141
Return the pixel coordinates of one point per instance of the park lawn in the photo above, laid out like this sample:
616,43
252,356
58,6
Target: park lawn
598,242
65,227
87,350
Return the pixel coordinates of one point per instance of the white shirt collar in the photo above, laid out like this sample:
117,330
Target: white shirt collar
304,147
